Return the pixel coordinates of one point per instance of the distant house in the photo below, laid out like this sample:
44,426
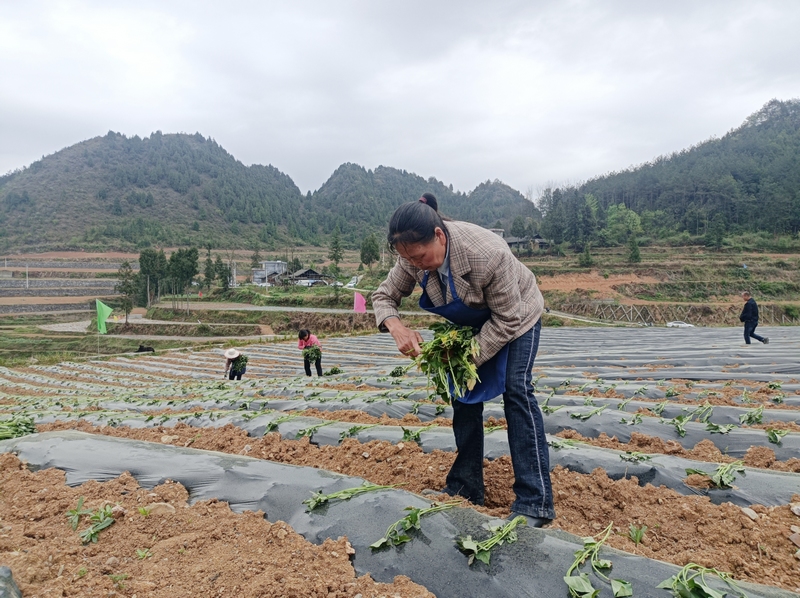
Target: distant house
499,231
306,274
518,242
538,243
269,272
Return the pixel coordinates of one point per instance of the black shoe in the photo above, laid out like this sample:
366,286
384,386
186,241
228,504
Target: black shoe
532,521
765,341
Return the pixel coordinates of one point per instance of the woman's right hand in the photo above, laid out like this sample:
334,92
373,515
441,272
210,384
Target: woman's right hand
408,341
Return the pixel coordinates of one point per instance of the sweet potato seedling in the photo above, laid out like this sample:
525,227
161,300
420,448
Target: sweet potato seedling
774,436
580,586
396,533
318,498
724,476
691,582
482,551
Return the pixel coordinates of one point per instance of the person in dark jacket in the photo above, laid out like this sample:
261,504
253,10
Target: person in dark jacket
749,316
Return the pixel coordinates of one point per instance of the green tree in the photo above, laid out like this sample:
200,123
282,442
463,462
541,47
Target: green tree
585,260
127,286
335,252
152,271
518,227
716,231
223,273
255,259
210,272
370,251
634,257
182,269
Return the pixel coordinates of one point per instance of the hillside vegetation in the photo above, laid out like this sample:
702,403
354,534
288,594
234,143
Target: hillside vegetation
747,182
168,190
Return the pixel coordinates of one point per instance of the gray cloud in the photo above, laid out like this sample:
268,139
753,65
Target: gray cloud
527,92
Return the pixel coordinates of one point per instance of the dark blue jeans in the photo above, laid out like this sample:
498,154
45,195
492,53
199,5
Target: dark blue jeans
750,331
529,451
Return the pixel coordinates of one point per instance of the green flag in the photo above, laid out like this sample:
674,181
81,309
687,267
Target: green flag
103,311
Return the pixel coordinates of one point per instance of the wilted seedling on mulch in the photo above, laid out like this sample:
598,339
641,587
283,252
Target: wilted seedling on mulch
659,408
310,430
564,444
547,409
413,435
636,533
354,430
580,586
17,426
333,371
691,582
447,359
319,498
636,419
724,476
273,425
774,436
778,398
482,551
584,416
100,520
588,401
623,404
490,429
396,533
719,428
74,515
679,422
635,456
752,417
701,413
774,385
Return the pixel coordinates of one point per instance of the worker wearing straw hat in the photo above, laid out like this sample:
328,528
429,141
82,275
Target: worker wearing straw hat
236,364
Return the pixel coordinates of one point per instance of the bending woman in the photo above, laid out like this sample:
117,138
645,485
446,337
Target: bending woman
470,277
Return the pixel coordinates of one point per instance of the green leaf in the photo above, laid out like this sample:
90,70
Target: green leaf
621,588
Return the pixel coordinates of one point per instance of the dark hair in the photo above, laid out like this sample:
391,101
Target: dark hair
415,222
303,334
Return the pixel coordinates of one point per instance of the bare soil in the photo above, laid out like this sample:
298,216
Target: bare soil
752,546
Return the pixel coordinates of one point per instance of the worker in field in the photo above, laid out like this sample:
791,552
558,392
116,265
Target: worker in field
749,316
235,364
470,277
312,351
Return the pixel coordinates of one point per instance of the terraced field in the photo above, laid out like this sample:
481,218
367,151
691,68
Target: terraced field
627,413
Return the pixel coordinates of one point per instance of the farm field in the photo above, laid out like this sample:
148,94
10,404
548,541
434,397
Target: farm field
208,476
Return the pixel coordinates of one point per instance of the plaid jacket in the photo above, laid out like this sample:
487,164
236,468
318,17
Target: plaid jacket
485,274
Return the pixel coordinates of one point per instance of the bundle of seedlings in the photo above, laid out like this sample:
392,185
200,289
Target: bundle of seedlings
447,359
17,426
312,353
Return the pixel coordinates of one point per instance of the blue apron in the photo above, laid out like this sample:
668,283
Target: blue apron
492,374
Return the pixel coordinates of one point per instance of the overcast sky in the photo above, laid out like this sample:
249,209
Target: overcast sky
529,92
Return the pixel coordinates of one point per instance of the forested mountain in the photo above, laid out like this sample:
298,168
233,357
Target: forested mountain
354,196
748,180
168,190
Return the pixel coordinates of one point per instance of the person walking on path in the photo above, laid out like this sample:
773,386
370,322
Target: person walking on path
236,364
749,316
477,282
306,340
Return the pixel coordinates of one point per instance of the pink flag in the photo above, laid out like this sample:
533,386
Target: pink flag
359,304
